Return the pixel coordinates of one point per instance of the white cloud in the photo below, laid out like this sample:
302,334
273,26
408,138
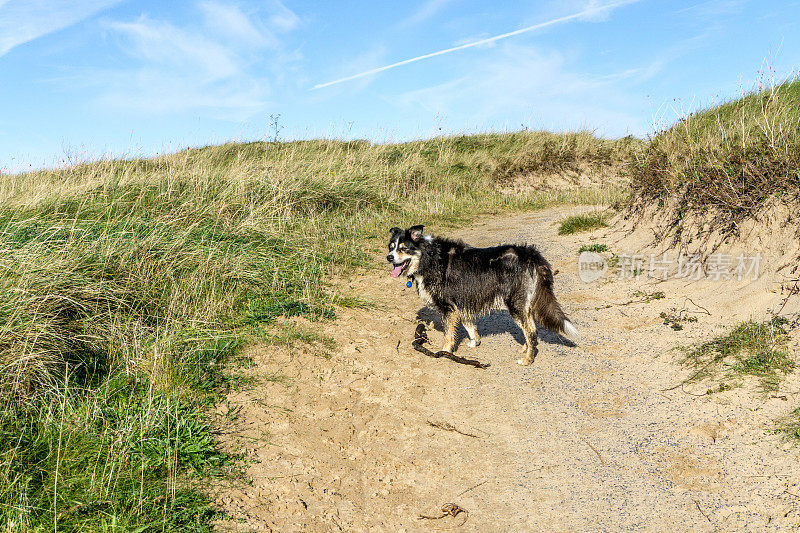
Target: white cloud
714,8
365,61
482,37
148,90
22,21
426,11
231,23
160,43
221,65
282,18
589,11
594,11
523,81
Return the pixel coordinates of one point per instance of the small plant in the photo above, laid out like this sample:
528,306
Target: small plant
675,320
648,297
593,248
790,425
751,348
578,223
275,126
722,387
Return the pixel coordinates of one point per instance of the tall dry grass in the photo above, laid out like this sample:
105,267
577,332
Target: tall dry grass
732,158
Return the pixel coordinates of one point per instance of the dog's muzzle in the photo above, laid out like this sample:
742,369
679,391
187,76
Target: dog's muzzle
399,268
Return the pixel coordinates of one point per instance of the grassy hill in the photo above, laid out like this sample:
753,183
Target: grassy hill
127,286
731,158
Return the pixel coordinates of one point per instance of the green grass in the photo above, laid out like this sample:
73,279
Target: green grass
579,223
549,153
597,248
789,427
734,157
749,349
648,297
107,457
126,286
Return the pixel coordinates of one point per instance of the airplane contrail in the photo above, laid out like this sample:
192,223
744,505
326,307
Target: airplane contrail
559,20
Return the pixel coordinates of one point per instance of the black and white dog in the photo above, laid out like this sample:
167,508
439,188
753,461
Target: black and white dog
462,282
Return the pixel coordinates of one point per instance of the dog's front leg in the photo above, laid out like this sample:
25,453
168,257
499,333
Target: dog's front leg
472,331
450,318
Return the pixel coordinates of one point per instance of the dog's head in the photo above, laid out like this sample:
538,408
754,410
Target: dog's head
405,249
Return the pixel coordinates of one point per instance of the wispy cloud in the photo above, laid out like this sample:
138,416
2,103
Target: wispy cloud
363,62
218,65
232,23
426,11
714,7
528,82
157,43
589,12
22,21
281,17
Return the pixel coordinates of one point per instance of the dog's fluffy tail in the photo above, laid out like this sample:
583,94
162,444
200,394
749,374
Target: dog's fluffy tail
546,308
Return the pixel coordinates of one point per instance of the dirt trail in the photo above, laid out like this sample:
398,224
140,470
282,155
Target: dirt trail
585,439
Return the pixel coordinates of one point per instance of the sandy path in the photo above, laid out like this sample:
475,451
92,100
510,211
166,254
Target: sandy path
583,440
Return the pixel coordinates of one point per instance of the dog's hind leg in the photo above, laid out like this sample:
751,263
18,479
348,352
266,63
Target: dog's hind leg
531,346
472,331
450,320
528,326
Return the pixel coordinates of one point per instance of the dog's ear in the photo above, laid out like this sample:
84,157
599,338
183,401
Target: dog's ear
416,232
395,231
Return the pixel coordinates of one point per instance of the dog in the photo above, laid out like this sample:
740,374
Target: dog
462,282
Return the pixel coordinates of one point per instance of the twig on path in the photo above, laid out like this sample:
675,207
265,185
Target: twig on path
701,511
450,427
421,337
687,380
602,461
472,488
696,305
693,394
790,493
794,290
448,509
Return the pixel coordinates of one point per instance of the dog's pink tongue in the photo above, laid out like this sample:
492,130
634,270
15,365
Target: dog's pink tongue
397,270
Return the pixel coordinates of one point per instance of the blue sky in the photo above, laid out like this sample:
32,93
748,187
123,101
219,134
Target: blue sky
83,79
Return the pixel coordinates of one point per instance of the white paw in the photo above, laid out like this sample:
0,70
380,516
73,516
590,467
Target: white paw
523,362
474,343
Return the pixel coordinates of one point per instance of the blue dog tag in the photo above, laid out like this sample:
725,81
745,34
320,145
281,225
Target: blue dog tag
408,284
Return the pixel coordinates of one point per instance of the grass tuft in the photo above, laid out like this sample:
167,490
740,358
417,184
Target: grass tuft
597,248
789,427
751,348
579,223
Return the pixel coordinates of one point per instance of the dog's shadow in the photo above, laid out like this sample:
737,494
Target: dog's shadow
493,323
